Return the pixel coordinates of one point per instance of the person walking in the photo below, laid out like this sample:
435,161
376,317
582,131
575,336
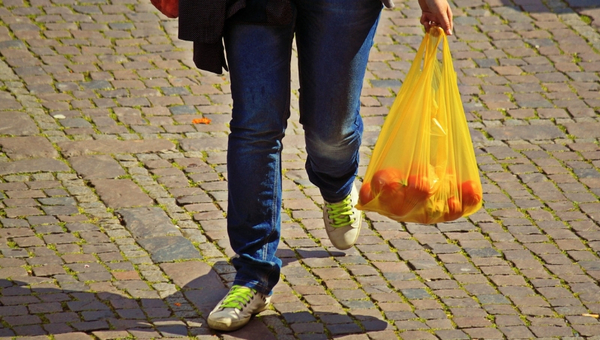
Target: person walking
333,39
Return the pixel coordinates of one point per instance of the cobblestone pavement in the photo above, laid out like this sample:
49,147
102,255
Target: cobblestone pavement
112,200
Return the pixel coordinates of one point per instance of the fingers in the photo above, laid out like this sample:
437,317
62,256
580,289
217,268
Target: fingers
436,13
448,23
423,22
428,20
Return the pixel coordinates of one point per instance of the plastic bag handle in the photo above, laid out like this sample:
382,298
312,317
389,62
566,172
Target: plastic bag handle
426,55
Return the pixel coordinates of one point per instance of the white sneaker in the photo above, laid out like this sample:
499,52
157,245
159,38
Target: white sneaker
236,308
343,221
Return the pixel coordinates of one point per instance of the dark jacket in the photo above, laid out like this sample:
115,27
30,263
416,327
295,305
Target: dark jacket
203,22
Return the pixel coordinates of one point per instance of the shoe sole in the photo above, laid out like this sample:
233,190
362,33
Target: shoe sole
220,326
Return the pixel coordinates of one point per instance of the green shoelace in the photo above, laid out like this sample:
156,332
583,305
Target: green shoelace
238,297
340,213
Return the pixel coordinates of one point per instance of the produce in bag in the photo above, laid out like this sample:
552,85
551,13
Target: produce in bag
423,168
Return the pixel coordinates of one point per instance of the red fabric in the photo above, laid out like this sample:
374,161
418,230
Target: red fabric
170,8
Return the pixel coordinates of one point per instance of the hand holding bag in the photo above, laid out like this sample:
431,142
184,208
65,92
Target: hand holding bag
423,168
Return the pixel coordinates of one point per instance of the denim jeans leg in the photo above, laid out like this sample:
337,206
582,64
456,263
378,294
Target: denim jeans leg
334,38
259,65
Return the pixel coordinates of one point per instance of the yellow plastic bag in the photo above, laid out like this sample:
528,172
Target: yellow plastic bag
423,167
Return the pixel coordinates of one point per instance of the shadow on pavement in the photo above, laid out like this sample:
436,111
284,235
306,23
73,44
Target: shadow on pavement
538,6
34,306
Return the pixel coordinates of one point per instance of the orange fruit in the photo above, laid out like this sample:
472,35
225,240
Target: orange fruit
383,177
471,194
418,188
365,195
392,198
400,207
454,209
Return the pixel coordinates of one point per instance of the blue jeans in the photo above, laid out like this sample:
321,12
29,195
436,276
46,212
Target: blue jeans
333,40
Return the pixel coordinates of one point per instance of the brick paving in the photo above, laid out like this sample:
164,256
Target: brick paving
112,200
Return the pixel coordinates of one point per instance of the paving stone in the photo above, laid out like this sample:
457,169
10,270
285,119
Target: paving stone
61,210
12,223
78,226
73,336
451,334
60,238
8,262
17,124
120,193
22,320
41,220
415,294
583,130
550,331
11,252
484,252
204,144
22,211
50,307
48,270
524,132
27,147
148,222
90,325
57,201
77,148
493,299
33,166
109,335
98,166
169,248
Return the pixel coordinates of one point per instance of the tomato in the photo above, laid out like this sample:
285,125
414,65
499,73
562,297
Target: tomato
471,194
383,177
418,188
365,194
392,198
388,186
454,209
